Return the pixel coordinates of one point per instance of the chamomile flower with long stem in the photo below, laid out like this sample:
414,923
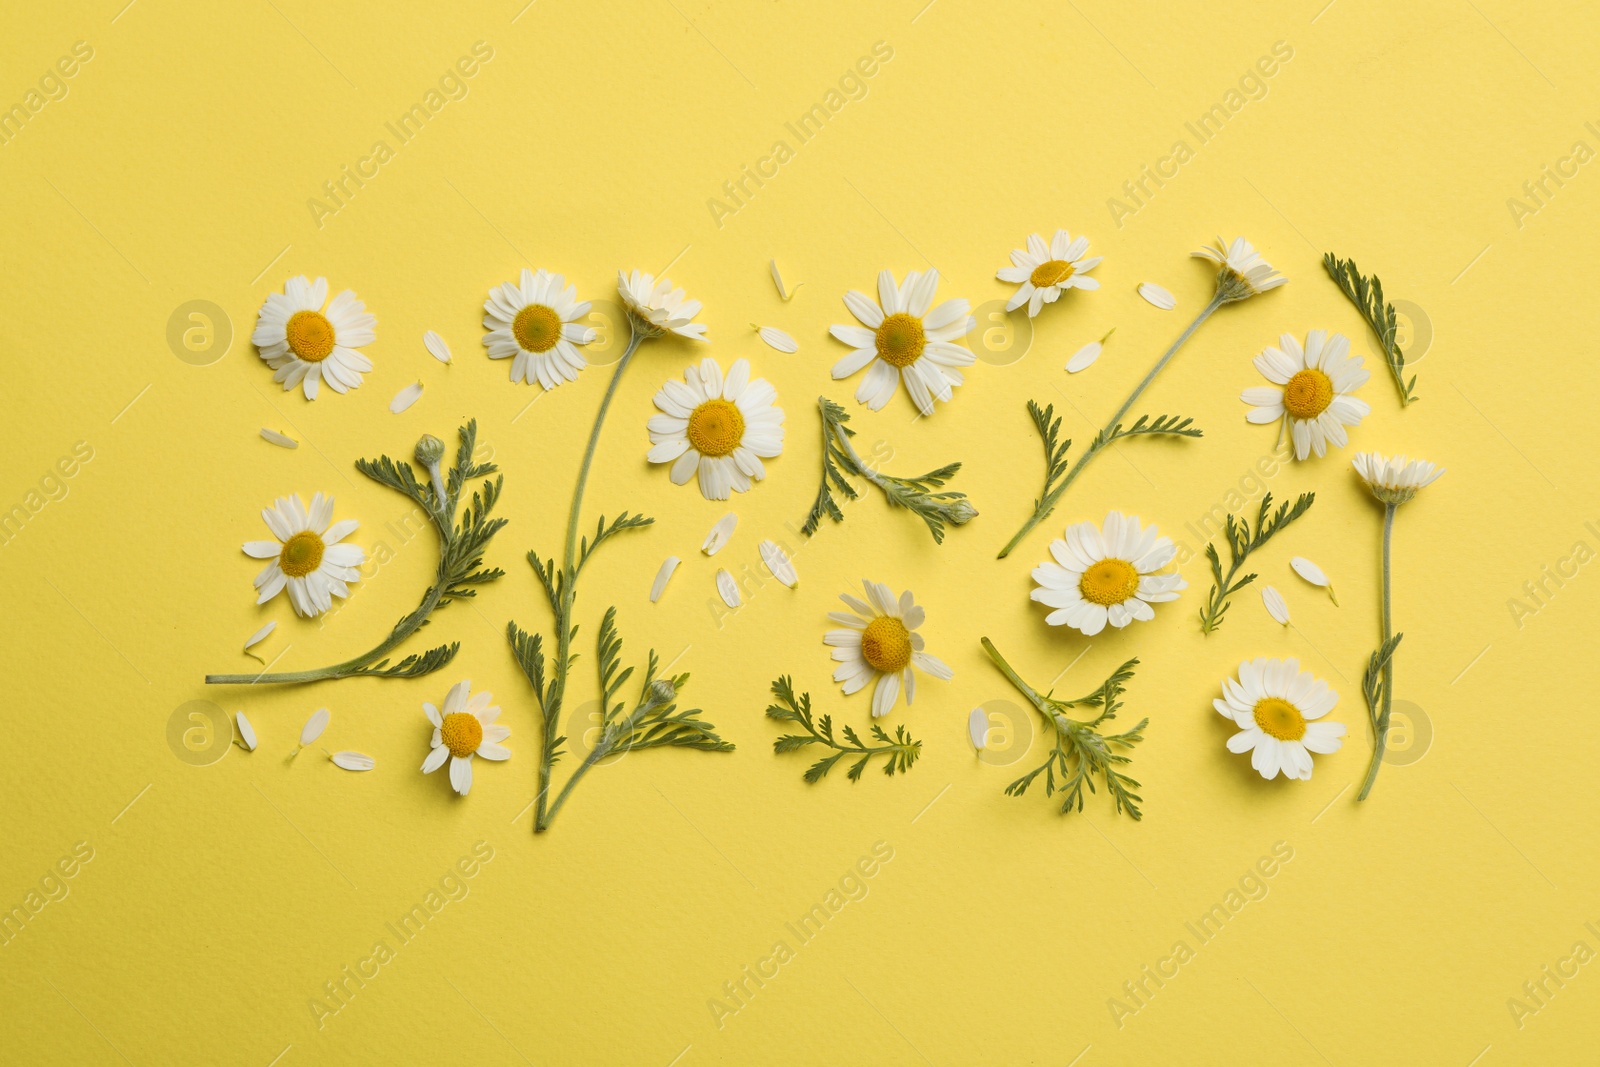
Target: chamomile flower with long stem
305,342
1241,274
1393,481
1278,708
1045,271
537,323
904,338
308,557
717,427
1311,392
464,728
1106,574
879,644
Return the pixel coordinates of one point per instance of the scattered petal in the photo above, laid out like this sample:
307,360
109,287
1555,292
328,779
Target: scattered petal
261,634
246,732
314,726
281,440
719,534
728,588
436,346
1313,574
1158,296
978,728
777,338
405,397
659,586
354,761
1277,607
778,562
777,279
1084,357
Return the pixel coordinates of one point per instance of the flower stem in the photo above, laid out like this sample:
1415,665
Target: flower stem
563,609
1380,723
1047,505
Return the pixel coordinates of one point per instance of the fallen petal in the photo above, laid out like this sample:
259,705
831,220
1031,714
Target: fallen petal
278,439
1083,357
436,346
1277,607
784,293
719,534
261,634
1158,296
978,728
659,586
778,562
405,397
354,761
728,588
777,339
314,726
247,733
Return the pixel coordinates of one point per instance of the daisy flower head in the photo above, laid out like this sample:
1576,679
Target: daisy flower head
1047,271
880,642
305,343
1313,390
900,338
1276,706
1241,272
656,308
307,556
1106,573
465,728
537,324
719,427
1395,479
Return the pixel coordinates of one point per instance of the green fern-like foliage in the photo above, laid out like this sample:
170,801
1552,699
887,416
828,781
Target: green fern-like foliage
900,751
1243,539
1366,293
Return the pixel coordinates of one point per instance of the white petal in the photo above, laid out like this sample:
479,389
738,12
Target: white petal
314,726
728,589
777,279
719,534
778,562
778,339
1309,571
405,397
1084,357
436,346
354,761
978,728
1158,296
247,733
279,439
1277,607
461,774
260,635
659,586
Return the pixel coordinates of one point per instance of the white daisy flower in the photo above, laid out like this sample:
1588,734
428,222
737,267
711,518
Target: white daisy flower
307,556
902,339
1395,480
1311,389
1106,574
720,427
305,344
536,323
1275,704
466,728
1046,271
1241,272
880,641
656,308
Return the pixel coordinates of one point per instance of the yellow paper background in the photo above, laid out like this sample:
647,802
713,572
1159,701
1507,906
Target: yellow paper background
221,898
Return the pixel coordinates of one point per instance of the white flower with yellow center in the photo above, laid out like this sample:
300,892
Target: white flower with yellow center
305,343
1395,480
307,558
1106,574
721,428
1047,271
1275,704
536,325
656,308
901,339
1313,390
880,642
466,728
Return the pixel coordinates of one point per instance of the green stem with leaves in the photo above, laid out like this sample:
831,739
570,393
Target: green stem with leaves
1113,429
902,750
1378,711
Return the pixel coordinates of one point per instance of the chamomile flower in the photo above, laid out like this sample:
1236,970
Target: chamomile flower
1395,480
537,324
1241,272
1106,574
305,343
880,643
1047,271
1311,389
464,729
1276,706
721,428
656,308
308,557
900,338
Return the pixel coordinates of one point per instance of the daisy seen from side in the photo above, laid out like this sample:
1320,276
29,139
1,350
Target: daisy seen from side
656,308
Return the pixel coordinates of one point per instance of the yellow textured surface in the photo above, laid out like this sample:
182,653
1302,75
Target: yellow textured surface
176,163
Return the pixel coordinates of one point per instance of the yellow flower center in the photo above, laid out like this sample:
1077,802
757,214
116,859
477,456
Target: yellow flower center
1111,581
301,554
461,733
1279,718
536,328
1308,394
310,335
1051,272
716,428
886,644
900,340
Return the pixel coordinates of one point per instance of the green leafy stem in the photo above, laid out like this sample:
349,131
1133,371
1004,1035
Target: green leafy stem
902,750
1377,684
461,548
1367,295
1242,541
1080,751
923,495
